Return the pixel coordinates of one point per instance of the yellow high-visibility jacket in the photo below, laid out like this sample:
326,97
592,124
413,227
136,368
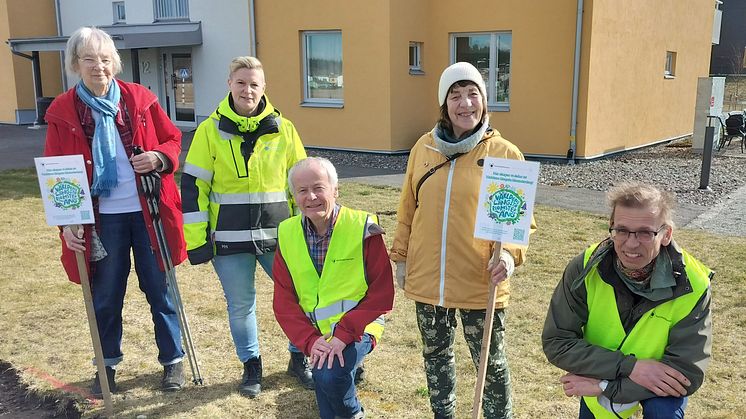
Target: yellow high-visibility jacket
234,186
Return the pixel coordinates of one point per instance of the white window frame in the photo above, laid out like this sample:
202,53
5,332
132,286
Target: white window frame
669,70
119,11
170,10
307,99
492,104
416,66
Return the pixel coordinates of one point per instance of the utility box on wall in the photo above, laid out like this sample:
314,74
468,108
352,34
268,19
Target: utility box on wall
710,91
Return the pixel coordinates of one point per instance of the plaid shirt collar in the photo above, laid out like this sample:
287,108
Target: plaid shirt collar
318,244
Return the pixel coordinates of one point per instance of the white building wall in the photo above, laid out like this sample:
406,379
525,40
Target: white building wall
225,34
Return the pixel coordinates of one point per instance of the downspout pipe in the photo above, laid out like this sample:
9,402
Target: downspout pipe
575,83
252,29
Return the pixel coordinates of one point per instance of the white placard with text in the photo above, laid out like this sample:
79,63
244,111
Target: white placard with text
506,200
64,190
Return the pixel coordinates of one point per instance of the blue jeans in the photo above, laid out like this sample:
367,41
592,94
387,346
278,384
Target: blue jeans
653,408
237,275
335,388
119,233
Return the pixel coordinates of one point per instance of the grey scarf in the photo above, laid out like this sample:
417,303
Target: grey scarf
464,145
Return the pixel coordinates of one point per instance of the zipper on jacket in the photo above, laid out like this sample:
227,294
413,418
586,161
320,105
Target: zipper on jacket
444,234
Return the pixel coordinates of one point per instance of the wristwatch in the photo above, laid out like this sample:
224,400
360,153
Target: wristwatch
603,384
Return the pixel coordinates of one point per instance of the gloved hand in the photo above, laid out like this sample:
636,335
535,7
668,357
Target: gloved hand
501,271
401,274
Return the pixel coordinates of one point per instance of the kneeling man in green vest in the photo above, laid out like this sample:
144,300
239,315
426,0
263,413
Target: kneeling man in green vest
333,284
630,320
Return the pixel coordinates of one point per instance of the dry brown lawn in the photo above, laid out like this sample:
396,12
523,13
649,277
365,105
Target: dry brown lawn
43,331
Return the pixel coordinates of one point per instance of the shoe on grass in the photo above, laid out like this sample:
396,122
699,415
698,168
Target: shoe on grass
173,377
300,368
96,390
251,382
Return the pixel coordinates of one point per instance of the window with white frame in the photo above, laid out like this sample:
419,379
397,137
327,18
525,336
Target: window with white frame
170,9
670,70
415,58
489,52
323,81
119,14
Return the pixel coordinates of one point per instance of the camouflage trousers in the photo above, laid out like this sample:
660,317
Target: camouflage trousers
438,329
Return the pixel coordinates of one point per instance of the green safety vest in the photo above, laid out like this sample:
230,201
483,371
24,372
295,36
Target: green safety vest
649,337
342,284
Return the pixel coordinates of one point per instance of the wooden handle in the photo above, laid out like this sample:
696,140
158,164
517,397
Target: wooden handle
486,339
97,350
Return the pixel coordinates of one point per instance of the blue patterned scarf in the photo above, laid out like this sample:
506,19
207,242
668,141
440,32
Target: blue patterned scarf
104,137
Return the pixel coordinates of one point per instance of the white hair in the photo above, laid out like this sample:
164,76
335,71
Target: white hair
93,38
331,171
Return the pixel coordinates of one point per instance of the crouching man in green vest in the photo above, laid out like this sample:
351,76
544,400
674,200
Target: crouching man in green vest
333,284
630,320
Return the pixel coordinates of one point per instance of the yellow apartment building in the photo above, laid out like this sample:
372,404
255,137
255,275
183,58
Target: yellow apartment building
363,75
637,76
24,19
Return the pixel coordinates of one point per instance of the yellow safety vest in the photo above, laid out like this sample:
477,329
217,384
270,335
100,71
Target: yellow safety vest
342,284
649,337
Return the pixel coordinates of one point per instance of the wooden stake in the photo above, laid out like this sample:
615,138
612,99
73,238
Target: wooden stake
97,350
489,316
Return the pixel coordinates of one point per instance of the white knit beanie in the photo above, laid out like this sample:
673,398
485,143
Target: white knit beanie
457,72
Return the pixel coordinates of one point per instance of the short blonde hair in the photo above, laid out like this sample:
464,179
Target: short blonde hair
252,63
642,195
93,39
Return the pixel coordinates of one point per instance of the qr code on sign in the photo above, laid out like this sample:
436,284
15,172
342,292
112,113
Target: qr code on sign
519,234
85,215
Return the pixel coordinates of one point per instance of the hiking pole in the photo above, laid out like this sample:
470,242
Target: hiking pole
150,183
151,191
489,318
98,352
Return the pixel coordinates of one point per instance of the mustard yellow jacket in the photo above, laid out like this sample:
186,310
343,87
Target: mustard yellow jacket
446,265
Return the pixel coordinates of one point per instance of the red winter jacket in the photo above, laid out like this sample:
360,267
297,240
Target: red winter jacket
152,130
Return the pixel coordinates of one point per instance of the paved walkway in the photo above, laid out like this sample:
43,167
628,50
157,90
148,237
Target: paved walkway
687,215
19,145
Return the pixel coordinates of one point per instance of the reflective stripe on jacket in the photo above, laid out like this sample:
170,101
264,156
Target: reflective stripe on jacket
342,283
649,337
234,195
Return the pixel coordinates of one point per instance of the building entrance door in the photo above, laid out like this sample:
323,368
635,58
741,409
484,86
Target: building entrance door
179,78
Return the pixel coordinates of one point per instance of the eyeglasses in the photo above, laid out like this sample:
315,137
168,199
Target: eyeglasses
643,236
94,61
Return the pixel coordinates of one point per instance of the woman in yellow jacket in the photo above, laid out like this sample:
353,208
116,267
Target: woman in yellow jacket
440,265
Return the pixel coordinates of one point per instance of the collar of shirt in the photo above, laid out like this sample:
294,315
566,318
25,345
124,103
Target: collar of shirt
318,244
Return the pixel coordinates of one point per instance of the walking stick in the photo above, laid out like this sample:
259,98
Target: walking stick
486,338
98,352
150,183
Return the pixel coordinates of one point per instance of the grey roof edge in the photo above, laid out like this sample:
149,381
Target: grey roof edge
148,35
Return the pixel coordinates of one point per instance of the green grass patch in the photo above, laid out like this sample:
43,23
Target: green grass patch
43,329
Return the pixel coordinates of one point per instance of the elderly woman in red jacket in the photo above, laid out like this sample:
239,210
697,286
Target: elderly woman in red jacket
105,119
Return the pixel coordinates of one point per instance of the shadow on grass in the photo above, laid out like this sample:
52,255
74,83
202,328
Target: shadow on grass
18,184
290,400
